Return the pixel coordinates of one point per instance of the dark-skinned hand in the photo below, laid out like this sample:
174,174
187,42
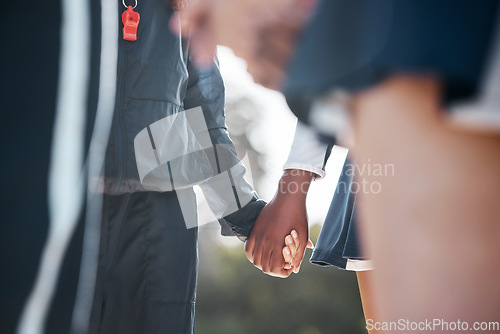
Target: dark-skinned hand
284,214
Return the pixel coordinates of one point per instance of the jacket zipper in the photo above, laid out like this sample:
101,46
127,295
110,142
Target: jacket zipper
118,128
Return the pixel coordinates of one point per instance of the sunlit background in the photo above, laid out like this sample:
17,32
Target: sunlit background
233,296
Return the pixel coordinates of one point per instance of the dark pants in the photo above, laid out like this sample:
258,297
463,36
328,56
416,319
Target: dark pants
147,267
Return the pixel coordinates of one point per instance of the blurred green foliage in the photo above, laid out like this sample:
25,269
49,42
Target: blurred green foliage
234,297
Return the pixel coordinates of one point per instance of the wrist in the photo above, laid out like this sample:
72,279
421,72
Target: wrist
295,183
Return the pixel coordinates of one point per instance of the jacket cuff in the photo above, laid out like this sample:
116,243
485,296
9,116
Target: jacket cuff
320,173
242,221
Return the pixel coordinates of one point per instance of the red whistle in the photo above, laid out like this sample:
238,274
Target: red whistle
130,21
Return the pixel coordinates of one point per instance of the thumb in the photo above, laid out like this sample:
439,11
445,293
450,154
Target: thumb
249,248
310,244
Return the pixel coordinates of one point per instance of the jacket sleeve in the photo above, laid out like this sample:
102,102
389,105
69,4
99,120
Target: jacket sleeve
232,200
308,152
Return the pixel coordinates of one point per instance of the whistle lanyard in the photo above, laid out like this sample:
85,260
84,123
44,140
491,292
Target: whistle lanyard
130,21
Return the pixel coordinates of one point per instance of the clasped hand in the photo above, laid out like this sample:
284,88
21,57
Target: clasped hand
280,236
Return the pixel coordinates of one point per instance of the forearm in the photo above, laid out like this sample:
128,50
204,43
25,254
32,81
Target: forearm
230,197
